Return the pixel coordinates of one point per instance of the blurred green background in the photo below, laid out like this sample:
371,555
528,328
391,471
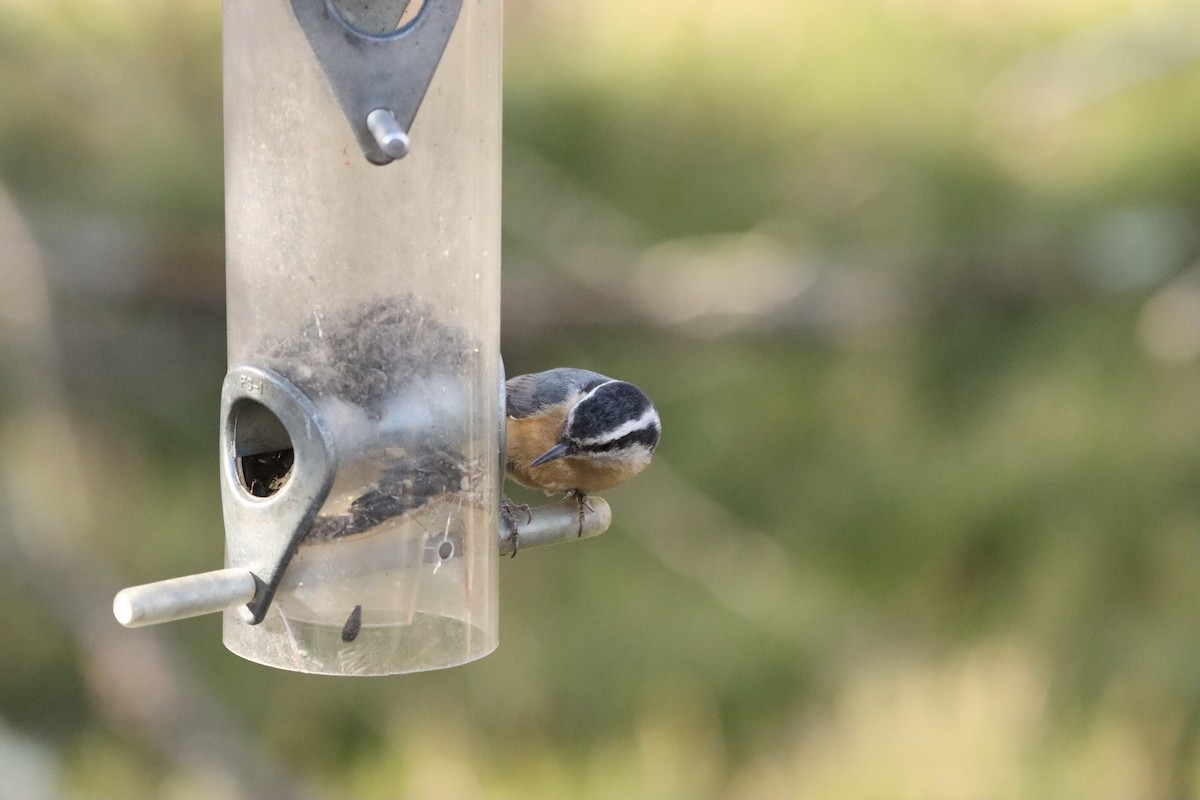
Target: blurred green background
915,286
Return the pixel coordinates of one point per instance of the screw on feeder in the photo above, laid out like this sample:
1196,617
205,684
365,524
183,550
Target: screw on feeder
391,138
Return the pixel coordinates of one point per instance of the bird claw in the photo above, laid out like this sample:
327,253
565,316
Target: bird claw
508,510
583,503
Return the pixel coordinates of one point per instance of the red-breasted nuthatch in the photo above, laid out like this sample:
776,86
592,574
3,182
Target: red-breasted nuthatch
579,432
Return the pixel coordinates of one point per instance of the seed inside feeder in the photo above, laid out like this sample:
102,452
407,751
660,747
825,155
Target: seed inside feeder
386,370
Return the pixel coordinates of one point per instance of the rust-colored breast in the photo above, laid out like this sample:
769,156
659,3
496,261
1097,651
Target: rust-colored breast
530,437
527,439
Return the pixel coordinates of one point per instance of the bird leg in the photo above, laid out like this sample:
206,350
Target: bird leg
583,503
509,510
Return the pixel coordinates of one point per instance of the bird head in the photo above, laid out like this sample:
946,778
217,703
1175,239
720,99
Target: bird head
614,421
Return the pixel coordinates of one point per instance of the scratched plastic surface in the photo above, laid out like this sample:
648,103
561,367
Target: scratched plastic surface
375,290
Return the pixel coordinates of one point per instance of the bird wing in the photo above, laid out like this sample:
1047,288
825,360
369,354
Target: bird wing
526,395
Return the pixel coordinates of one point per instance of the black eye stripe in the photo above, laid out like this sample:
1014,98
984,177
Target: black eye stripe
643,436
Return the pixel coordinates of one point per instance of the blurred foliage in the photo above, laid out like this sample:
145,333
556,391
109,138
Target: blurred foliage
915,287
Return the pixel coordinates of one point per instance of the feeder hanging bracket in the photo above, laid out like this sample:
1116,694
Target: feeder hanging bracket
379,79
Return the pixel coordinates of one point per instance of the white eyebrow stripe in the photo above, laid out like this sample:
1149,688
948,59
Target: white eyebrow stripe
592,391
648,419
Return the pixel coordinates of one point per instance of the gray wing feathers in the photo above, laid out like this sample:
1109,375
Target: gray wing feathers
525,395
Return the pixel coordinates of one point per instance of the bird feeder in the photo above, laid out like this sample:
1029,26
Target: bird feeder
361,438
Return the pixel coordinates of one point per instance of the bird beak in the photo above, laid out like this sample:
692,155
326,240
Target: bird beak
558,451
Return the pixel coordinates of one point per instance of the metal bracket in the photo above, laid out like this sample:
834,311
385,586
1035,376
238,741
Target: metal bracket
379,79
263,413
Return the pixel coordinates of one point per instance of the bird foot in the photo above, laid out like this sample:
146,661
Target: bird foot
583,504
509,510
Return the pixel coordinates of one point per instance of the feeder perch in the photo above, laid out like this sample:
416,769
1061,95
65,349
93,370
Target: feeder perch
362,417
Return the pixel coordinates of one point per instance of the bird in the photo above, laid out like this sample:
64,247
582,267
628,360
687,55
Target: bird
577,432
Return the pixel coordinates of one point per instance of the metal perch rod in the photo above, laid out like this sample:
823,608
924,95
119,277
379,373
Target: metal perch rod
209,592
555,523
180,598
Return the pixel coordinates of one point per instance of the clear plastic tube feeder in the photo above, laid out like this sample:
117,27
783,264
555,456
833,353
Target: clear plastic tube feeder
360,469
362,431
